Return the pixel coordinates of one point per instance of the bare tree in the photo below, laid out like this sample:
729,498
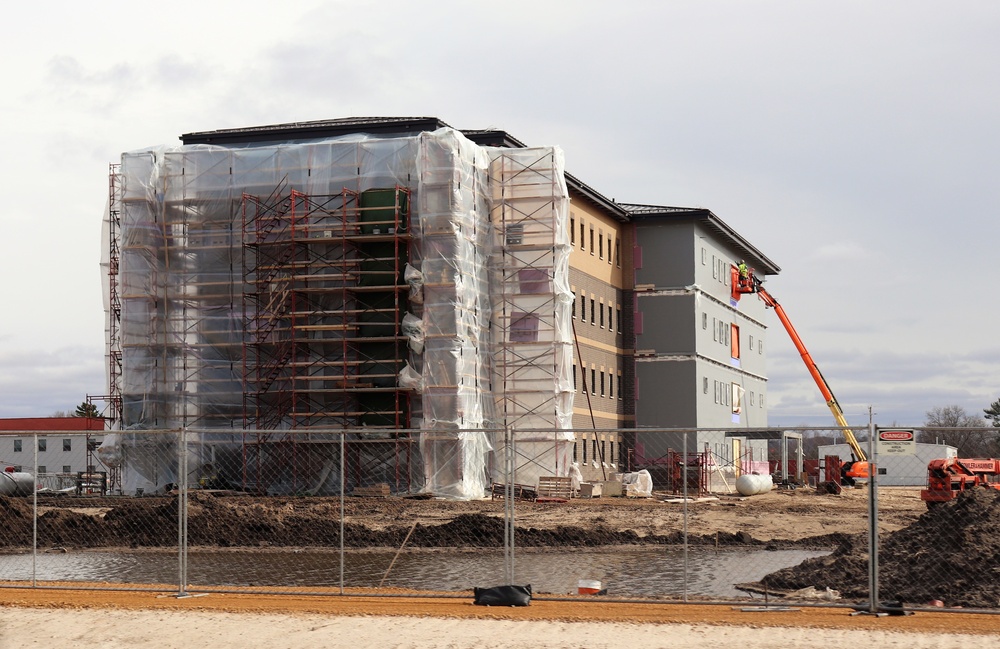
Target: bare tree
954,426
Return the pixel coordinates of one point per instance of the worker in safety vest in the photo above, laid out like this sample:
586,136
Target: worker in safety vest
744,273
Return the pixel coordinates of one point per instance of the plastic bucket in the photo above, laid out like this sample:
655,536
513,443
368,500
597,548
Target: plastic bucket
588,587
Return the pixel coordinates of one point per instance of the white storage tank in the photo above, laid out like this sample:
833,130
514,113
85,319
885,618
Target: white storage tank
16,483
751,484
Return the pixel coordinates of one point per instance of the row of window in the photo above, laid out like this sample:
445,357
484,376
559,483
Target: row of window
731,394
597,312
720,267
597,382
43,444
726,333
607,458
614,245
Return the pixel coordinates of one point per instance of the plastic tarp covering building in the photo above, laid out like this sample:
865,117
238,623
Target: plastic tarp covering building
485,248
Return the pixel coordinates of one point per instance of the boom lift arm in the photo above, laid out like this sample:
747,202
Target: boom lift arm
744,281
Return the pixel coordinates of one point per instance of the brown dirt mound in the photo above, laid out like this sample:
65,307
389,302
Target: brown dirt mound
279,522
951,553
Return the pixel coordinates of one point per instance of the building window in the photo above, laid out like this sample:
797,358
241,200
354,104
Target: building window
715,329
611,451
67,468
67,445
751,342
760,346
591,240
609,248
751,397
602,315
593,381
17,446
715,268
42,444
704,320
704,384
593,448
715,391
574,452
704,256
619,328
593,316
610,318
600,245
619,386
734,335
583,307
604,457
611,385
574,305
581,235
42,468
602,383
583,443
572,230
574,377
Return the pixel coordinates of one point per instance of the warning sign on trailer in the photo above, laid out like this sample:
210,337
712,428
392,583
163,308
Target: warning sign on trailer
895,441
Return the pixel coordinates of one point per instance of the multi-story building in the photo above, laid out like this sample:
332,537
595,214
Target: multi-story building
655,339
699,349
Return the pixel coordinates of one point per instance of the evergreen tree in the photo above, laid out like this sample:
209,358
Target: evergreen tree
993,413
86,410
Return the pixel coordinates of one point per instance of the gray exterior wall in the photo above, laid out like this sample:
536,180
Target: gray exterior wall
686,364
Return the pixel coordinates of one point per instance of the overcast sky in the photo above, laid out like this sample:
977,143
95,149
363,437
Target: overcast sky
854,143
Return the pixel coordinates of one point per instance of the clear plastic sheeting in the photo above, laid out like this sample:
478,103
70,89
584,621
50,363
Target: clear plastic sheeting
532,304
363,283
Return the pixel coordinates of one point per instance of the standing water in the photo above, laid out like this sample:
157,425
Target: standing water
631,572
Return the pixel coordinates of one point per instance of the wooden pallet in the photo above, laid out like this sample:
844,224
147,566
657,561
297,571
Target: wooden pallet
375,491
550,486
520,491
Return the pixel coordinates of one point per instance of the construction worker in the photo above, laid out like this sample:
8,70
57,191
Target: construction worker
744,271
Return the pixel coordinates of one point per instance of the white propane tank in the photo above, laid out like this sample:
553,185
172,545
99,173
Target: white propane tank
753,484
16,483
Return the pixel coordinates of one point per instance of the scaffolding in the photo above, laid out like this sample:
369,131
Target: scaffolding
323,302
533,352
398,298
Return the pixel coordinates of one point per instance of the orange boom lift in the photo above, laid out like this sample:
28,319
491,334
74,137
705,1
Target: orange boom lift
744,281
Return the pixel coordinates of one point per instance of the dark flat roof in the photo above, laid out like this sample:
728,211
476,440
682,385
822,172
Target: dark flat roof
316,129
396,126
639,213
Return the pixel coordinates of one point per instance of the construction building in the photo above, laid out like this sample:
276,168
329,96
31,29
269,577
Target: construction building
440,294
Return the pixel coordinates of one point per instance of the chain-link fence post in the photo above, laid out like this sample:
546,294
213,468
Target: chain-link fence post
34,513
684,451
509,461
343,481
182,512
872,522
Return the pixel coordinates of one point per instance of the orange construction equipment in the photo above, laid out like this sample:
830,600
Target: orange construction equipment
747,282
948,476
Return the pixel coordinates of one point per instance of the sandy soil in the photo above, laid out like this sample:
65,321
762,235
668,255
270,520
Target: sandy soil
86,619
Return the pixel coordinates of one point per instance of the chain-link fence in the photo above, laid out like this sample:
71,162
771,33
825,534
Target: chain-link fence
754,516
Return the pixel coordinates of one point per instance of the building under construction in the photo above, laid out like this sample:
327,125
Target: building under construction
411,290
392,302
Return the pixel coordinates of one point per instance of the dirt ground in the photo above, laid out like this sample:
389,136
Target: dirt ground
87,618
800,517
950,553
